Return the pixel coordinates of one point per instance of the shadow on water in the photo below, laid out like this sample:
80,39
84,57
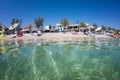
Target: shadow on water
90,59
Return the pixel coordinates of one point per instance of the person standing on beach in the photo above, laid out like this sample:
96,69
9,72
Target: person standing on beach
38,33
20,33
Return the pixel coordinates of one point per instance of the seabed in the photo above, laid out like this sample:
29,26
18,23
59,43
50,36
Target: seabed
72,59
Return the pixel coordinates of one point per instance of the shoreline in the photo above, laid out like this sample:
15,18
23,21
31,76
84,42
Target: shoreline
56,36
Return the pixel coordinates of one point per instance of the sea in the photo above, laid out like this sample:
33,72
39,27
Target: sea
72,59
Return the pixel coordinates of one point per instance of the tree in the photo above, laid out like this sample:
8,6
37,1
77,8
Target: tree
95,25
113,29
50,27
16,20
64,22
109,28
19,21
0,26
82,24
39,22
13,21
104,28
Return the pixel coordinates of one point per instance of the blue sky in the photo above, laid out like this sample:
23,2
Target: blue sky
101,12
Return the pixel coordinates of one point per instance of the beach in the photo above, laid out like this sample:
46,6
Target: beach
56,36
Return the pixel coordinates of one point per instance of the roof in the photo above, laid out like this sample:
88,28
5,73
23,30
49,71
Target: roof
74,25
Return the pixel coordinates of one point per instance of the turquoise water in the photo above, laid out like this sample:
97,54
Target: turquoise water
96,59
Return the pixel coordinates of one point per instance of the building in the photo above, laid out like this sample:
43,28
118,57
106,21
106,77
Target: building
73,27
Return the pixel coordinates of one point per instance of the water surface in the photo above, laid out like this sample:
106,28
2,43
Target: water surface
84,59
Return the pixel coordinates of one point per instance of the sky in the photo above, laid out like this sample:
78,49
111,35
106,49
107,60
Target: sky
101,12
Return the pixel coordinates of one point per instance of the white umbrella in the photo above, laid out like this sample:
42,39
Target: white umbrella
98,29
13,26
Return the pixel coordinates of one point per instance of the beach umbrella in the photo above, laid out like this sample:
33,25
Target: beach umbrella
98,29
13,26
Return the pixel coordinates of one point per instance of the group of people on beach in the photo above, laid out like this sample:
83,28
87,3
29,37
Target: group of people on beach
21,33
86,32
38,33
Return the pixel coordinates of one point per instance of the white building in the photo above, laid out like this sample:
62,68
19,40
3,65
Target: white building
46,27
59,27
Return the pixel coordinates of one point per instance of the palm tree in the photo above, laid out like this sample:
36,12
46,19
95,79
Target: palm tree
64,22
82,24
13,21
50,27
95,25
16,20
104,28
0,26
39,22
109,28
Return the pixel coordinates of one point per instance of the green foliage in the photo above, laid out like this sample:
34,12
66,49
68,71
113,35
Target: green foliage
13,21
64,22
39,21
82,24
113,29
16,21
95,25
0,26
68,28
50,26
104,28
109,28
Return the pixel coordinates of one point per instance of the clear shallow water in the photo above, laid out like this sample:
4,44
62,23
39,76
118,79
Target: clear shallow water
96,59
